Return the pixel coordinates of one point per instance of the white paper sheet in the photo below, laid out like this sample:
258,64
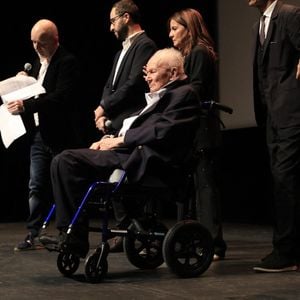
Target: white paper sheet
20,87
11,126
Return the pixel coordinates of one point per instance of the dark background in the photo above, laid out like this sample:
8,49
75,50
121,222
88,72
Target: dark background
84,30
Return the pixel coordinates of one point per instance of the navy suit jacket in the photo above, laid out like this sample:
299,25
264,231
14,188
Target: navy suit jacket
57,107
281,56
161,138
126,95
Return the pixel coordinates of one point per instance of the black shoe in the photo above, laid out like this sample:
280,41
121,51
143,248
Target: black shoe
220,248
77,244
116,244
52,243
218,257
28,244
69,243
267,256
275,263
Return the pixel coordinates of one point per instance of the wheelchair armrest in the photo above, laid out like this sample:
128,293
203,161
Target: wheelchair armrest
212,105
116,176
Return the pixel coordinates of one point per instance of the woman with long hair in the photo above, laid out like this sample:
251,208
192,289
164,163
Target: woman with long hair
189,34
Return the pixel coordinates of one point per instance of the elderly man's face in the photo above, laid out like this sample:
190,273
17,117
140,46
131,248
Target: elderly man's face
157,75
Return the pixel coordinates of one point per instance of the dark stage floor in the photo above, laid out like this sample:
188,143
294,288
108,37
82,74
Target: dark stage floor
34,274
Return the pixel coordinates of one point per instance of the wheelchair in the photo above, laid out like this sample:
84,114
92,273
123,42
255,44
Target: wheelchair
186,248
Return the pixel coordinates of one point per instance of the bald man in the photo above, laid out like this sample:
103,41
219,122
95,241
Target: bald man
49,119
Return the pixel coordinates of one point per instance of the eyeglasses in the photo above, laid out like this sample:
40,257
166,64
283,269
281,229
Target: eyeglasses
114,19
149,71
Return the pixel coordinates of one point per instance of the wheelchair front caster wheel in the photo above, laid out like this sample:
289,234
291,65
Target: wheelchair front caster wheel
95,270
67,263
188,249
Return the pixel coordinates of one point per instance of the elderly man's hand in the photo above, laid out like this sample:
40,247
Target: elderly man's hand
108,143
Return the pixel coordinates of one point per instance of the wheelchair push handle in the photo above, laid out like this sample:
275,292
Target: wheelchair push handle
213,105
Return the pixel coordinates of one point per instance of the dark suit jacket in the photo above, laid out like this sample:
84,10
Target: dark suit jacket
57,107
201,70
281,55
127,94
160,139
202,73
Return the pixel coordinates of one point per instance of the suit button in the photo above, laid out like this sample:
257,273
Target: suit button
140,147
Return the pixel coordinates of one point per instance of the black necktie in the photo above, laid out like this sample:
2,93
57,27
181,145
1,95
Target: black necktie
262,36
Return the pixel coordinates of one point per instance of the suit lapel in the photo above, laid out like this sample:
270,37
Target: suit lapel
272,27
255,40
114,69
125,58
149,110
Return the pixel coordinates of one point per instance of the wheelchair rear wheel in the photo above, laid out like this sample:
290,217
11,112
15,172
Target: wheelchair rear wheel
67,263
144,250
188,249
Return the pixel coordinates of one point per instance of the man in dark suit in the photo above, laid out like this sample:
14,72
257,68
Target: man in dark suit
276,83
156,140
124,90
49,119
125,87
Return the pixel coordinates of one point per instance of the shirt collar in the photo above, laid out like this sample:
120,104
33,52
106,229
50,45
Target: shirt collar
153,97
129,40
268,12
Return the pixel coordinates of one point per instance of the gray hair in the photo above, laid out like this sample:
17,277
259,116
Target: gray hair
171,58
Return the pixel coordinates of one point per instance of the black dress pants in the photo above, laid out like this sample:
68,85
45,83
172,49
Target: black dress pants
72,172
284,151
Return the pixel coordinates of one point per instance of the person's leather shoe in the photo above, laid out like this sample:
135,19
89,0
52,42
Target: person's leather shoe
276,262
218,257
116,244
51,242
78,245
219,253
28,244
75,245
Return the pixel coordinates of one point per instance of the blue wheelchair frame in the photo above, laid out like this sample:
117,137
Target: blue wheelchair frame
186,248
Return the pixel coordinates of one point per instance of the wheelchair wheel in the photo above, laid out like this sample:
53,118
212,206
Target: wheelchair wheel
67,263
144,250
94,273
188,249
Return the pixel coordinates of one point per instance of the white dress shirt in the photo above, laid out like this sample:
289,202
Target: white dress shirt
268,13
40,79
126,45
151,99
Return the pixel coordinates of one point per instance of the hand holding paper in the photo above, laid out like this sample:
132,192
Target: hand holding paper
20,87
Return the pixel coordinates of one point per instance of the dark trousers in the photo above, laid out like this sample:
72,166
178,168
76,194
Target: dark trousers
284,151
40,193
72,172
207,197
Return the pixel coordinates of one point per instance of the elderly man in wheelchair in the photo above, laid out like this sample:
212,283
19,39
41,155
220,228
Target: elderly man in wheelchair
156,141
